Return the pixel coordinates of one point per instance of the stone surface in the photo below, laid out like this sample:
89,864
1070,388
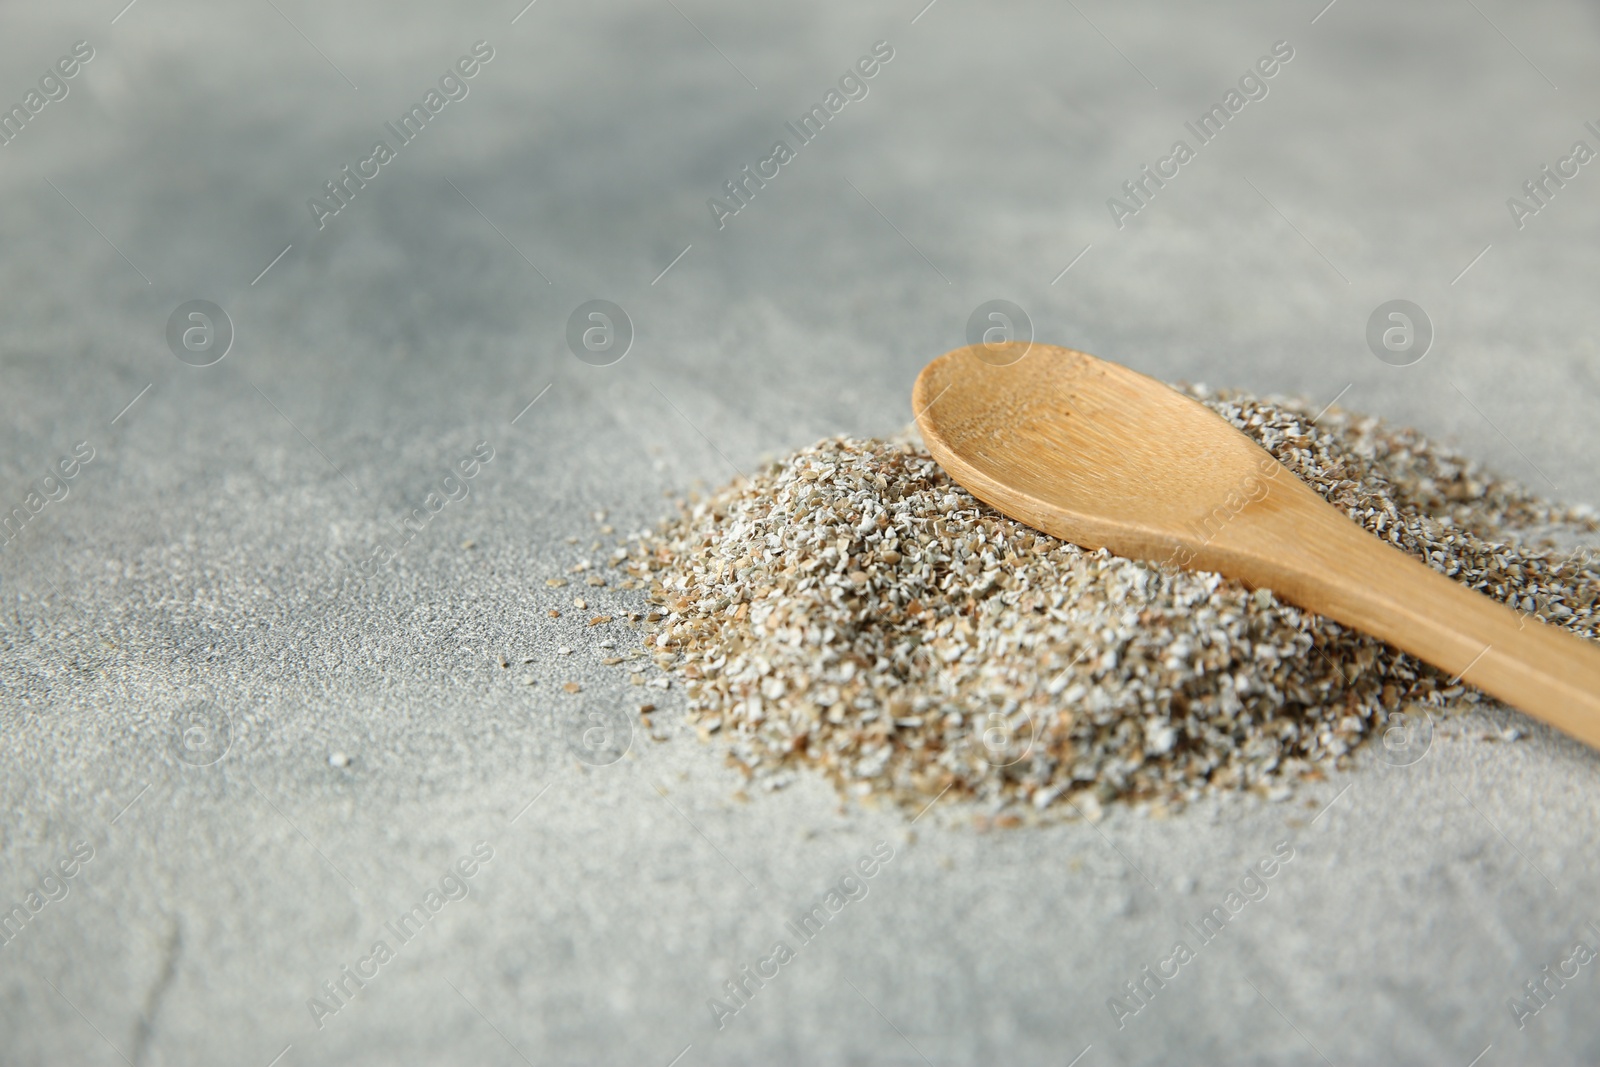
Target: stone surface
181,667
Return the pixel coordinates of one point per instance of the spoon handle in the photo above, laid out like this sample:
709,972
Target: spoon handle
1322,560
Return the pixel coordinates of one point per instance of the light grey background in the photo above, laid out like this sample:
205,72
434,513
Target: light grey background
190,562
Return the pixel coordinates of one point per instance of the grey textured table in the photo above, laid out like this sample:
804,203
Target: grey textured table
270,763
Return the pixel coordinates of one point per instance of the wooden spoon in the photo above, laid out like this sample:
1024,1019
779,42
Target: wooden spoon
1102,456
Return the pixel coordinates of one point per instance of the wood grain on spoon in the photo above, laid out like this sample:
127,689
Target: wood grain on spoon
1102,456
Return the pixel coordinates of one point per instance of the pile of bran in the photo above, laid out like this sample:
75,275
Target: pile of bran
853,610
